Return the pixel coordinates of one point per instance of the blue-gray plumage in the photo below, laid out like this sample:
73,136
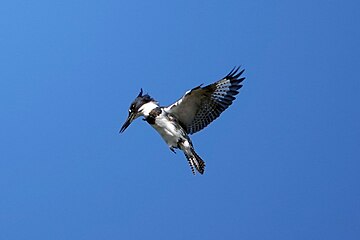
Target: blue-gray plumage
191,113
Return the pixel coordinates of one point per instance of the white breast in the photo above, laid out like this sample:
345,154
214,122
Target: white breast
167,130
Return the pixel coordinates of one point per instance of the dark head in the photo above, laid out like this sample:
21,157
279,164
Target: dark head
134,111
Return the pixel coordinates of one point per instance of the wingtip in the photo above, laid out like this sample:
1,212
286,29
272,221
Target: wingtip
234,73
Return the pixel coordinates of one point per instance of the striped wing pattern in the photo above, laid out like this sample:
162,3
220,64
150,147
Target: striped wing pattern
202,105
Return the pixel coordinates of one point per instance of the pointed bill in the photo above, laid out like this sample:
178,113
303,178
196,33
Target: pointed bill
128,121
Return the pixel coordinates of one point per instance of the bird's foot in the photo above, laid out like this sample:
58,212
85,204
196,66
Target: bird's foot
172,149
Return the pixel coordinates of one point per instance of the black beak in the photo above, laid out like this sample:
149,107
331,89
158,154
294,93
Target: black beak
127,122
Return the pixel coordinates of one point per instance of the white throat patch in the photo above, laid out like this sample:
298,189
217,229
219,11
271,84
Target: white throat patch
147,107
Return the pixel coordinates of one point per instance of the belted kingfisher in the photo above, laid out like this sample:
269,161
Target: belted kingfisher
191,113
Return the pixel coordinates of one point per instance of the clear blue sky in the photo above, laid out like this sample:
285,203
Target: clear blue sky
283,161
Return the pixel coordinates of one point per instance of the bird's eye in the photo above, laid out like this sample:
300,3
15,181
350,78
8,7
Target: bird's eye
132,108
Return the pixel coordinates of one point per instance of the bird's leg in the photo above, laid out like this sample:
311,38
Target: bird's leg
172,149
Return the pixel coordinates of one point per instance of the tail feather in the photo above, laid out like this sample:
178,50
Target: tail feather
195,161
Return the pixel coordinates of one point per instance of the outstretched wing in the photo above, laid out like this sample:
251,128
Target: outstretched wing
202,105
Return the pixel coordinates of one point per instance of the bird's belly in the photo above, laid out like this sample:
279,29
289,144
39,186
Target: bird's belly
168,132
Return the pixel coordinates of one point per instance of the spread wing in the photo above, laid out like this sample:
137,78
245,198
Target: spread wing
202,105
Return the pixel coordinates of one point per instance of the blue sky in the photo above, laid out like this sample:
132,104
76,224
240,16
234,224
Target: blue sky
282,161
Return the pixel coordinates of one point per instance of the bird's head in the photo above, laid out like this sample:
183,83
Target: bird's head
135,110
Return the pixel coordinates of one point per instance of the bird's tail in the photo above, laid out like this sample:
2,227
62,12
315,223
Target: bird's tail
195,161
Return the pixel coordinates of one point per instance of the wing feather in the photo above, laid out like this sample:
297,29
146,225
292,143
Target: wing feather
202,105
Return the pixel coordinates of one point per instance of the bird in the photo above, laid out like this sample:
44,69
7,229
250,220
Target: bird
191,113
